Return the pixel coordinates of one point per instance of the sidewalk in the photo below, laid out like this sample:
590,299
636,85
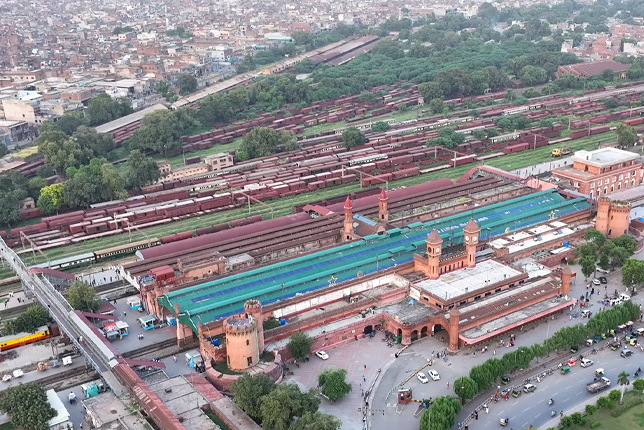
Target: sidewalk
9,301
581,407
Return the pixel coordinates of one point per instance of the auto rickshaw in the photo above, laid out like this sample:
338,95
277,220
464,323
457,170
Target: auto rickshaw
565,370
505,379
504,421
589,342
516,392
574,349
599,372
572,361
614,346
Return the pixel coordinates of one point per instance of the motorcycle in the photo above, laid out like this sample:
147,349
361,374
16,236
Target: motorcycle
551,402
553,413
593,351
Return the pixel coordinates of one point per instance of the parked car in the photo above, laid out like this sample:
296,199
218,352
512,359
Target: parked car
596,282
434,375
603,280
422,378
323,355
529,388
600,270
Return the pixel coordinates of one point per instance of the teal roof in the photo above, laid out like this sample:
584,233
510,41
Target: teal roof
223,297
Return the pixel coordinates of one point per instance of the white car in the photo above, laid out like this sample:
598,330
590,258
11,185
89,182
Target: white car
600,270
596,282
585,362
422,378
323,355
434,375
624,297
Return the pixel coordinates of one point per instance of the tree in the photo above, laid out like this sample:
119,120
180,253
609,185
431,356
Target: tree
187,83
587,265
595,236
285,403
163,88
13,189
608,75
51,197
352,137
27,406
89,139
161,130
248,391
633,272
367,96
103,108
465,388
82,297
141,171
436,105
316,421
69,122
263,141
3,150
333,383
61,154
638,384
626,135
442,414
245,65
299,345
532,75
431,91
34,186
380,126
31,320
622,380
611,103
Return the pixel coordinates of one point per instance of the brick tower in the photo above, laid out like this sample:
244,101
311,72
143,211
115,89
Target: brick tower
254,308
566,279
347,232
241,341
601,221
454,318
619,219
434,243
383,207
471,240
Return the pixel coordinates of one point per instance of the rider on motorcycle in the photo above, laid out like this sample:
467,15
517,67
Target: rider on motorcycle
551,402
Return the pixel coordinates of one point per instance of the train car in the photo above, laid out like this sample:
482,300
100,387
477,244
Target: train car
20,339
128,248
176,237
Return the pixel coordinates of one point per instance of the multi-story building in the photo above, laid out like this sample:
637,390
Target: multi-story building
602,172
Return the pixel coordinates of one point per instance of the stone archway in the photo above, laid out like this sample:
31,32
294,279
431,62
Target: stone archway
368,329
423,332
399,332
414,335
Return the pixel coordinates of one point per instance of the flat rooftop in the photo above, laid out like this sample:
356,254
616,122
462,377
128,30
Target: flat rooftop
129,119
515,319
462,281
604,156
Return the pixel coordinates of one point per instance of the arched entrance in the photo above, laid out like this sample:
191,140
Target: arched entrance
399,332
368,329
423,332
414,335
437,328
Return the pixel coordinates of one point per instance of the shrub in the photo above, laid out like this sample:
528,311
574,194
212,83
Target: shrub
638,384
595,425
577,418
611,404
566,421
602,402
591,409
626,406
614,395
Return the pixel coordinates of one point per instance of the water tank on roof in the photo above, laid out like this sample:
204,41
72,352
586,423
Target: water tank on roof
282,321
566,244
215,342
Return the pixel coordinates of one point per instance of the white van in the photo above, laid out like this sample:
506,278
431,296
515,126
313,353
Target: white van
600,270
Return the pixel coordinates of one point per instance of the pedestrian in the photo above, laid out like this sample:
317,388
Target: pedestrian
448,385
487,410
80,425
174,357
114,301
474,354
18,299
365,367
362,393
124,313
364,379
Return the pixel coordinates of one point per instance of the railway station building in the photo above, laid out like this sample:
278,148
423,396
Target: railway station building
602,172
437,262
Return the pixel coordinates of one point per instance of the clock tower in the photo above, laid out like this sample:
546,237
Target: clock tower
434,244
471,233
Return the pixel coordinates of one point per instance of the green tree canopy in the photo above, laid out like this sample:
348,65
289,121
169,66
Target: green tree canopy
379,126
97,143
442,414
82,297
95,182
633,272
69,123
465,388
263,141
27,406
161,130
13,188
62,152
626,135
316,421
103,108
51,197
141,171
333,383
248,391
284,404
352,137
299,345
187,83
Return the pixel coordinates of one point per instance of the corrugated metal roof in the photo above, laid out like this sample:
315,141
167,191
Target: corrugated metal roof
128,119
221,236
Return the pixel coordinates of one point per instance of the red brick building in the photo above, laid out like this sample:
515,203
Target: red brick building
593,68
602,172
